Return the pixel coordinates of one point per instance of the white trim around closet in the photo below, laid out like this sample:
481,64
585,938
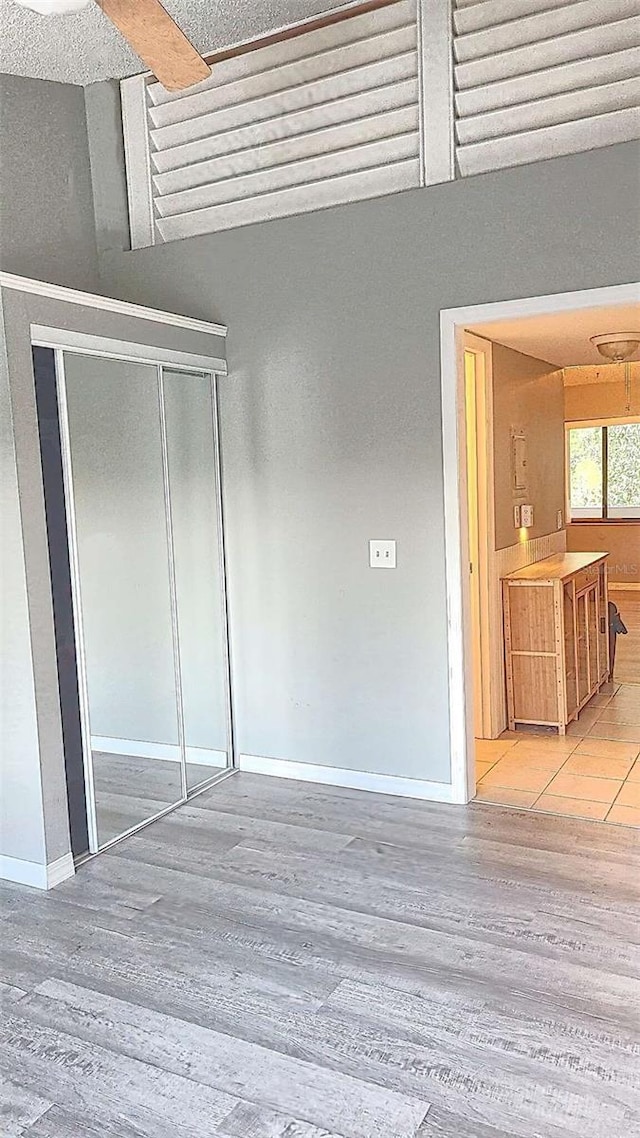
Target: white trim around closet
109,304
126,350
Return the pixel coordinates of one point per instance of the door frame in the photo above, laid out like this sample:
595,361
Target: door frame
65,342
478,475
454,322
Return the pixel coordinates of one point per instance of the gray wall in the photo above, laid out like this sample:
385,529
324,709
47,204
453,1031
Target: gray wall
331,420
106,155
21,819
47,226
528,394
332,431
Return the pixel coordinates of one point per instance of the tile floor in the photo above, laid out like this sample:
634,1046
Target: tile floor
592,772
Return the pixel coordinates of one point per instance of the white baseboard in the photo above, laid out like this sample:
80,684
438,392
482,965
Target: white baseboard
34,874
23,872
355,780
623,586
137,748
58,871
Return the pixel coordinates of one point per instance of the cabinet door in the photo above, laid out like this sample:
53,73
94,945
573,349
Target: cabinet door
583,646
603,622
594,637
569,622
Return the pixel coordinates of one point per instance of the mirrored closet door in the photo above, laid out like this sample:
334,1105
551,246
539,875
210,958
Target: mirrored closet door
194,497
140,449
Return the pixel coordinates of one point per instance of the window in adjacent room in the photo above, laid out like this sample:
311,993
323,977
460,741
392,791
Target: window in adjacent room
603,461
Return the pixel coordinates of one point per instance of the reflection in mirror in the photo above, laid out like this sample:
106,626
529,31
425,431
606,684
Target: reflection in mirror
193,487
115,451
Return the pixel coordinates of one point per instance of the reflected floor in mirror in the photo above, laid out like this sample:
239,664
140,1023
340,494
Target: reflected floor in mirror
129,789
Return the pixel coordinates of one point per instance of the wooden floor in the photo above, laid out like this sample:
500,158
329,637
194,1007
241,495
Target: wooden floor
278,960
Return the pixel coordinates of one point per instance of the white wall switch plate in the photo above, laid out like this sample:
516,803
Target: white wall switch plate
382,554
516,517
559,520
526,514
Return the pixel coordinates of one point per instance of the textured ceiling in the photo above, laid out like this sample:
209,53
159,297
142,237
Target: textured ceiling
562,338
85,47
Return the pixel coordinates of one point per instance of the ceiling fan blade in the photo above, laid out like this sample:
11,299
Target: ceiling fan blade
158,40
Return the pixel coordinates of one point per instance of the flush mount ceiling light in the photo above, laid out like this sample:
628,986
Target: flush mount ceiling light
150,31
617,346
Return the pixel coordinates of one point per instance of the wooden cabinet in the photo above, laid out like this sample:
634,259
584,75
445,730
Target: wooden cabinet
556,638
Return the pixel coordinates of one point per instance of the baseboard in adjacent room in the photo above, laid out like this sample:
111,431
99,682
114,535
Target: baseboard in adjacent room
354,780
140,749
35,874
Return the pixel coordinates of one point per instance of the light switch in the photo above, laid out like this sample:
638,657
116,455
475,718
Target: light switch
516,517
382,554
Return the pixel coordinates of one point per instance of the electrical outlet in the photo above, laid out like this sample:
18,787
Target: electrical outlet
526,516
382,554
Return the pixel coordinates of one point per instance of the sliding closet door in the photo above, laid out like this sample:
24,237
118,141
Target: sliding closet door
199,577
123,589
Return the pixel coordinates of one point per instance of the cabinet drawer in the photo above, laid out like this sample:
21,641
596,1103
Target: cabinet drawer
586,577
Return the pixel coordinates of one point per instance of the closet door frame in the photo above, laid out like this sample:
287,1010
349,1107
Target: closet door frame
64,341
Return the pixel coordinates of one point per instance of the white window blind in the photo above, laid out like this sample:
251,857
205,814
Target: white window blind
408,94
329,116
537,78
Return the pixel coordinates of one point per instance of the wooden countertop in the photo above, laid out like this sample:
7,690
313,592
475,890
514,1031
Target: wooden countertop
558,567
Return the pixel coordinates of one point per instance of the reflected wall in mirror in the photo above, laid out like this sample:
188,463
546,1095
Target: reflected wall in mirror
123,584
191,436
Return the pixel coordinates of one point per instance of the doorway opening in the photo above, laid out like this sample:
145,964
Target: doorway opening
542,475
